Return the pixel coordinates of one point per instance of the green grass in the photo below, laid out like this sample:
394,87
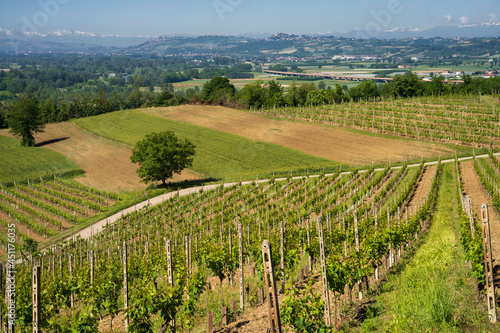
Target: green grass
19,163
434,292
218,154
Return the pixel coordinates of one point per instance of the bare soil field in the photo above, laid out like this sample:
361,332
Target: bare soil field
327,142
106,163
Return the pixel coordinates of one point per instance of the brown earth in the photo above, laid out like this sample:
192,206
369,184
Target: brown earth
422,186
472,186
106,163
315,139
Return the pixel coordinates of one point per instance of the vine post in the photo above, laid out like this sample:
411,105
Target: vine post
91,267
125,283
326,297
36,298
272,299
72,295
242,280
282,253
488,266
308,245
170,275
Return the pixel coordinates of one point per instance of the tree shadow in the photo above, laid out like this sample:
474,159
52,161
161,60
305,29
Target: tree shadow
174,186
48,142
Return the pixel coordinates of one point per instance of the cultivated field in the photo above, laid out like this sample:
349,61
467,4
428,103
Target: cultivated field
468,120
218,154
315,139
106,163
42,209
19,163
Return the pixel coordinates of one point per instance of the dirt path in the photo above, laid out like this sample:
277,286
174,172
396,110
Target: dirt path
422,186
322,141
472,186
255,320
106,163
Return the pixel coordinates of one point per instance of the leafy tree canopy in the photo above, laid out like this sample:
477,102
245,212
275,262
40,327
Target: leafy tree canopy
160,155
217,90
24,120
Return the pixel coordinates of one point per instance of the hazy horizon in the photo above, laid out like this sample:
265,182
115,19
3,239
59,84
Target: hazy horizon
226,17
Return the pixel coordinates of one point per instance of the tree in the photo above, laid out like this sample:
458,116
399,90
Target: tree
252,95
218,90
437,86
407,85
24,119
317,97
366,89
337,95
274,93
3,121
162,154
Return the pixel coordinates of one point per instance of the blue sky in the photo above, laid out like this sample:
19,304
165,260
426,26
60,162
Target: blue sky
166,17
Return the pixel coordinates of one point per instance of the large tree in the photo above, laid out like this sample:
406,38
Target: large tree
24,120
366,89
218,90
407,85
160,155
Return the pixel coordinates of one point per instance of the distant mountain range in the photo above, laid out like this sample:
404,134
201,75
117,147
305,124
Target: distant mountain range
490,29
79,39
64,41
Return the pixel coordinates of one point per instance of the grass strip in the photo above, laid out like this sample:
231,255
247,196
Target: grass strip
435,290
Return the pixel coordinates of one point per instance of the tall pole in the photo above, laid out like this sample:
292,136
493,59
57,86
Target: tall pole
272,295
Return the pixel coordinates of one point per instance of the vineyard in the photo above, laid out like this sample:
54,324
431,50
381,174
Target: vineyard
298,254
41,209
369,219
196,260
468,120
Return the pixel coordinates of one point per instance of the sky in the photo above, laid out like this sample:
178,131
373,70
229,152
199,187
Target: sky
203,17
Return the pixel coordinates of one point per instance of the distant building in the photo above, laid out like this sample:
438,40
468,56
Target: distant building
112,75
356,57
404,66
491,74
5,70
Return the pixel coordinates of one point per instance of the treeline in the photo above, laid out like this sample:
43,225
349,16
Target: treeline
220,91
52,111
271,93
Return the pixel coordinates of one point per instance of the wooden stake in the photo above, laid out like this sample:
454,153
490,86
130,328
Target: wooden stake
326,297
125,283
488,265
282,253
242,280
272,299
37,276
